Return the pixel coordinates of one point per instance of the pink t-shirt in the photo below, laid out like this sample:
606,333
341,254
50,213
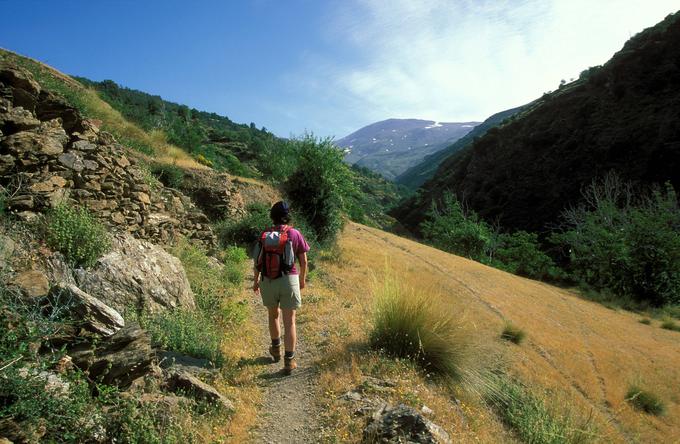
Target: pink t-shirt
300,245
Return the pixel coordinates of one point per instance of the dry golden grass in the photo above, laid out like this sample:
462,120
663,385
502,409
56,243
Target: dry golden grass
577,352
337,308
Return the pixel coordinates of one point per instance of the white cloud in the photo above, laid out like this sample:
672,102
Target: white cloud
448,60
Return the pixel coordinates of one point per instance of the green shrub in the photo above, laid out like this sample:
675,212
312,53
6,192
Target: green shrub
170,175
529,416
28,401
320,186
519,253
408,324
513,333
625,242
645,321
669,324
645,401
244,231
450,228
77,234
190,332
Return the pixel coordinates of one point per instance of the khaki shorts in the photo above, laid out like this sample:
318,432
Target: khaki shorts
283,292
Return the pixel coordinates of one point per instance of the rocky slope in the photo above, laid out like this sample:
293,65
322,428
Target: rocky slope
50,155
391,146
618,117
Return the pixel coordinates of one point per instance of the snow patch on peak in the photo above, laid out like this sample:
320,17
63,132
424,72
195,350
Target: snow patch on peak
434,125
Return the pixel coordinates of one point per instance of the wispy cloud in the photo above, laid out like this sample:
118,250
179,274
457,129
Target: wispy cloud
457,60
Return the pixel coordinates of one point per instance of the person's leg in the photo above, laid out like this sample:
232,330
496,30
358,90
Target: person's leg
274,324
290,339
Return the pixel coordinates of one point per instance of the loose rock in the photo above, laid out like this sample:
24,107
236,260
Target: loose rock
402,424
96,316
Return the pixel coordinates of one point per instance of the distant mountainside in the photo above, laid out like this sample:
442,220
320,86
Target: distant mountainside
392,146
621,117
415,176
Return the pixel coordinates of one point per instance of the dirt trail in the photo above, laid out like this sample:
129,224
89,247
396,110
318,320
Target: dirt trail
288,413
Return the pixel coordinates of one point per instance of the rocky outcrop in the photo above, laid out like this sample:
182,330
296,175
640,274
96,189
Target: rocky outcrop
214,193
119,360
184,382
91,312
402,424
49,154
137,274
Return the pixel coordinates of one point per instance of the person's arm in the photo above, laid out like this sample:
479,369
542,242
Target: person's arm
302,257
256,280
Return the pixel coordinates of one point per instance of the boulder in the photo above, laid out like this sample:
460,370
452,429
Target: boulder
185,383
116,360
28,142
32,283
402,424
93,313
19,78
137,274
18,119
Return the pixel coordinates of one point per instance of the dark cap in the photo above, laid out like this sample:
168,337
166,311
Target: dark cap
279,209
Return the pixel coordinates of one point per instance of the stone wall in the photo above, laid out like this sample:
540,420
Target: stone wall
49,154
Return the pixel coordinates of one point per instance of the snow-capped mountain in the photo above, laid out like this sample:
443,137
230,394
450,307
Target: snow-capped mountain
392,146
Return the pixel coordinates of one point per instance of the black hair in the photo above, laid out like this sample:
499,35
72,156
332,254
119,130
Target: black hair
279,219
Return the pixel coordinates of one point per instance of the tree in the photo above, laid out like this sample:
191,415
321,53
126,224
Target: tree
320,185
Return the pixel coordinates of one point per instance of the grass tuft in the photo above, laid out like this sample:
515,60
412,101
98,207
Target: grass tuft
530,417
645,401
645,321
411,324
669,324
513,333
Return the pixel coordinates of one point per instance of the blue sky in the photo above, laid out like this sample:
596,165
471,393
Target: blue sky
330,67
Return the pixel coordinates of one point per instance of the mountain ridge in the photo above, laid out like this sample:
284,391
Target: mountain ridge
391,146
617,117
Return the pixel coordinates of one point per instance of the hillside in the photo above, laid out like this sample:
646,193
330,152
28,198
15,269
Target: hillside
418,174
226,145
392,146
617,117
584,355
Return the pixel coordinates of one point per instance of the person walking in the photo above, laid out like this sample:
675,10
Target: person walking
278,281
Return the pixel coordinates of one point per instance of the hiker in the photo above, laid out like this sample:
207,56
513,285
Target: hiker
279,282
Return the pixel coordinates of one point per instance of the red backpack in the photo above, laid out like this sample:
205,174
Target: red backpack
275,255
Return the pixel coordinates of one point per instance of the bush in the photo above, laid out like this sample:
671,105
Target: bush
409,324
626,243
244,231
519,253
513,333
77,234
645,401
170,175
450,228
320,186
190,332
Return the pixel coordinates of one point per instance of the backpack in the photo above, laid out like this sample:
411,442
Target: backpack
274,253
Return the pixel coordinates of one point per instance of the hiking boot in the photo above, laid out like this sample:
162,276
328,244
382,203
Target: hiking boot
275,351
289,365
